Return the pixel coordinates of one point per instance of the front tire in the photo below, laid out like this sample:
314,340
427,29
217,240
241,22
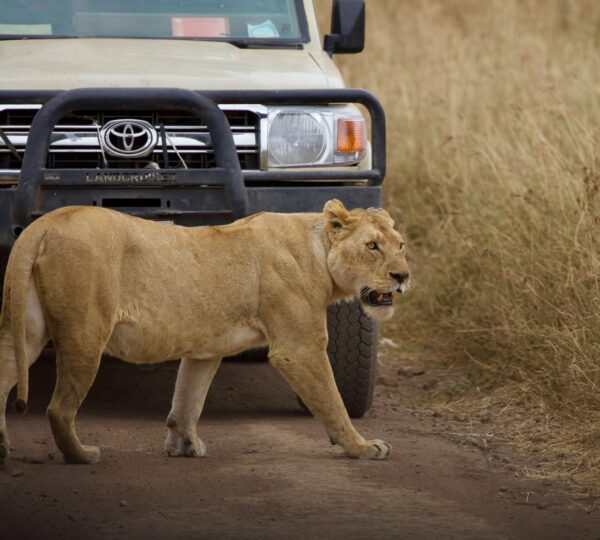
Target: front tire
352,351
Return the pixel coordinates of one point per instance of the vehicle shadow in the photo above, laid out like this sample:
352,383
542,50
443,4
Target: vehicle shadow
244,387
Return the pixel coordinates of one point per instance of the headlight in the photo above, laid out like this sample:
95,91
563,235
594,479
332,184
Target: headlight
296,138
313,137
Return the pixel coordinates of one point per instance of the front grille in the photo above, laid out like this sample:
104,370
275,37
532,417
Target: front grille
75,145
94,160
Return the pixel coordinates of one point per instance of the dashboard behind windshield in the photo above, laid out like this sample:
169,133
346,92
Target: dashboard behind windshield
277,21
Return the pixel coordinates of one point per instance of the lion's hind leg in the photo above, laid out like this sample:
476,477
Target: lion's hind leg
193,381
75,373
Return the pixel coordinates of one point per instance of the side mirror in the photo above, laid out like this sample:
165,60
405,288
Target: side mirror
347,27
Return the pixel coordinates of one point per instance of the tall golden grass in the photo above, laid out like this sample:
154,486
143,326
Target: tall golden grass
494,130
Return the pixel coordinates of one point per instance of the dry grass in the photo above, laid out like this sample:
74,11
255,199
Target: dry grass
494,127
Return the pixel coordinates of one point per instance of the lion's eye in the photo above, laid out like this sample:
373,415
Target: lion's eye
372,246
401,246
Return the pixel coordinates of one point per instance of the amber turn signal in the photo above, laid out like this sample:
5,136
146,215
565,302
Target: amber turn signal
351,135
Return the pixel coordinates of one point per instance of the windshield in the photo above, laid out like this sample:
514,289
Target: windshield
247,21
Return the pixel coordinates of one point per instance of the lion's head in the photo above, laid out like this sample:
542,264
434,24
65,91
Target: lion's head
366,259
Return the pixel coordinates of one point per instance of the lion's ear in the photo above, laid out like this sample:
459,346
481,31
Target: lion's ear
336,214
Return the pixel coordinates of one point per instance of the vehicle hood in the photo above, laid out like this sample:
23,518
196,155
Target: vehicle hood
60,64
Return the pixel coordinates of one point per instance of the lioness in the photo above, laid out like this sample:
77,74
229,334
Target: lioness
94,280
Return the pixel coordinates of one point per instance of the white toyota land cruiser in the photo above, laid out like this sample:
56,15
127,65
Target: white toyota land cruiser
194,112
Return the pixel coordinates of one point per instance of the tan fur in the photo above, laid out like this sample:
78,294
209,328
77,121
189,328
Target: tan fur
94,280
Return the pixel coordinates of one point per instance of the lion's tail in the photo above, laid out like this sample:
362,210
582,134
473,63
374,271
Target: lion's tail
18,275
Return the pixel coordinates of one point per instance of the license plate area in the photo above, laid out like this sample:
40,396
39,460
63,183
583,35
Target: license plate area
122,203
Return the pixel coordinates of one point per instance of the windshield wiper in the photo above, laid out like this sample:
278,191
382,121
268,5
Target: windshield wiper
12,37
241,43
264,44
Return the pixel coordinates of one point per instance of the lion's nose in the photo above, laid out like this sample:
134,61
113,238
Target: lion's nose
400,277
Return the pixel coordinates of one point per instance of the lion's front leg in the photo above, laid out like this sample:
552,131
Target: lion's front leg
309,373
193,381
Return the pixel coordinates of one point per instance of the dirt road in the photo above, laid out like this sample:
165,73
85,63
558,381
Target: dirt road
270,472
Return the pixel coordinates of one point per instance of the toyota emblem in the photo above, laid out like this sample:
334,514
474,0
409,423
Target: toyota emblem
128,138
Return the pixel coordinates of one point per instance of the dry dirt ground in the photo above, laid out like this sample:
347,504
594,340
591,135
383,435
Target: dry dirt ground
270,472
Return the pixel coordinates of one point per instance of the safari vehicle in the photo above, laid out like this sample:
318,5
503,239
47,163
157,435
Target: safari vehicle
193,112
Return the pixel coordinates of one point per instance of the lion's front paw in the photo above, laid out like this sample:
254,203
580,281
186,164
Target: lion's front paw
375,449
87,456
188,445
380,449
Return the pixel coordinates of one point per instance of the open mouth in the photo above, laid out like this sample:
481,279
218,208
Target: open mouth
376,298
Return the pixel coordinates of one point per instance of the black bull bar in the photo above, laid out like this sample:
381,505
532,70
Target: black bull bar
222,192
